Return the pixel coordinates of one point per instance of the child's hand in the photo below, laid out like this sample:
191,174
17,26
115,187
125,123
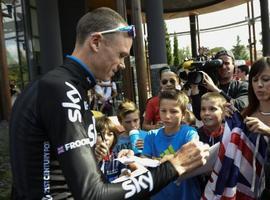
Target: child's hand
101,151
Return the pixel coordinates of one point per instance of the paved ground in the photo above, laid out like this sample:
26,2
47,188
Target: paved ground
5,174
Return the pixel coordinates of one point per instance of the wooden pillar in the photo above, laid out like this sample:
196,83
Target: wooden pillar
265,27
127,73
140,61
5,98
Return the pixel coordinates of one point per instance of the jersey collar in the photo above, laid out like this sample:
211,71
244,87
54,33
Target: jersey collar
91,78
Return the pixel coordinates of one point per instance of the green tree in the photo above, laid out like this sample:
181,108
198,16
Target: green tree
176,61
184,54
168,46
240,51
215,50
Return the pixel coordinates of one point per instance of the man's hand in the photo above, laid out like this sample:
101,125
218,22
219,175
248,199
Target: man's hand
191,156
125,152
128,152
208,83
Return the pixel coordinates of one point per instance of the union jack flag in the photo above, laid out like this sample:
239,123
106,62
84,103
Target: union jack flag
238,171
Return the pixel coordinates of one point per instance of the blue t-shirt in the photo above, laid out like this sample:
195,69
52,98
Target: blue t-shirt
123,142
157,144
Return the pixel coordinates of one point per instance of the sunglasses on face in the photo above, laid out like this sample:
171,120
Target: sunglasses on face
128,29
165,81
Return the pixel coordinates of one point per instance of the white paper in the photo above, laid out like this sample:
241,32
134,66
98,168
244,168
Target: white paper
147,162
207,167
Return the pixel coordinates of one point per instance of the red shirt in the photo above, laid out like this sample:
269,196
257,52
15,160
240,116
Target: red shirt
152,110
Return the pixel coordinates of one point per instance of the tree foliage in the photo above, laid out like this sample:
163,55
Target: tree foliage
184,54
240,51
168,46
176,60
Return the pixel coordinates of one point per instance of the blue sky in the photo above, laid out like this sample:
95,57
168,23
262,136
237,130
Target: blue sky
225,38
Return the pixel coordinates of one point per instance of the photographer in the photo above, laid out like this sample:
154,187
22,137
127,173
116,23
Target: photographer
234,91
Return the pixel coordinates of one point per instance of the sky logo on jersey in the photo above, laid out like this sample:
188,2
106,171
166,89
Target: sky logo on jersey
136,184
73,145
74,108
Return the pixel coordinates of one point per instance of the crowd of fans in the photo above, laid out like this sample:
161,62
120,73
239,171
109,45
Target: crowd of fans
178,115
173,123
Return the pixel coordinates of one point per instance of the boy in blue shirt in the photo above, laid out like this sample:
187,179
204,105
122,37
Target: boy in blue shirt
170,138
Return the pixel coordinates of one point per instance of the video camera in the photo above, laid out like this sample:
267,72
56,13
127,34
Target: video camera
195,76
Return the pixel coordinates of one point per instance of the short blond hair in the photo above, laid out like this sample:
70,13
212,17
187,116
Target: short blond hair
215,97
125,108
179,96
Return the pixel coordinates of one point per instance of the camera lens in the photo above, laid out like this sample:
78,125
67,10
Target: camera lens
183,75
195,77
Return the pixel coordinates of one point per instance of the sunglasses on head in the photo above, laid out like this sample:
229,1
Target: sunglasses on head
128,29
165,81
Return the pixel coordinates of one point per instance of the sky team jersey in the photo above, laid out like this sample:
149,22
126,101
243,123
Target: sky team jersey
52,134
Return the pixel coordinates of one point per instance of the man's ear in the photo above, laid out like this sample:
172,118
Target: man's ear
94,41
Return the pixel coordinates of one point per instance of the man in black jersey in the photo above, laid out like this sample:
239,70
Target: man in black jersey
52,131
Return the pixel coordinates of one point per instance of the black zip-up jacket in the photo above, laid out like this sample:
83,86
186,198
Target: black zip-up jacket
52,134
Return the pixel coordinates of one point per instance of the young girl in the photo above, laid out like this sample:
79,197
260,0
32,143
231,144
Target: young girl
169,139
106,140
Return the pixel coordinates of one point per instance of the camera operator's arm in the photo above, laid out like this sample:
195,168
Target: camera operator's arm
196,100
239,93
209,84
